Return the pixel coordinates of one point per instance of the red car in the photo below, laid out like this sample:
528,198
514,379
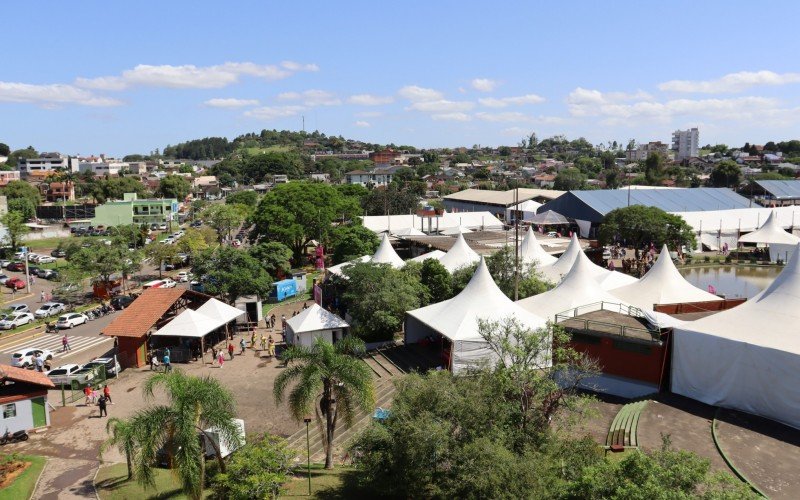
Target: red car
16,266
15,283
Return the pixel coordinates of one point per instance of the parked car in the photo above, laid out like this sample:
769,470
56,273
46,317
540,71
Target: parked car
162,226
196,223
168,283
19,255
32,257
49,274
49,309
111,364
165,454
169,241
83,376
17,283
4,263
58,253
14,320
169,266
121,301
16,266
183,277
3,279
71,320
24,357
18,308
61,375
45,259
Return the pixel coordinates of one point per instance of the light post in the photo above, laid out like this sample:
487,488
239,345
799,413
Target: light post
307,420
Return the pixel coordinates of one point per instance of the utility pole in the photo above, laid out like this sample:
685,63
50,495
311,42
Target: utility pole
516,244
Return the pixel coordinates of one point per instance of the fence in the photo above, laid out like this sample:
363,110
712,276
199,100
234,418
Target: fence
74,391
571,320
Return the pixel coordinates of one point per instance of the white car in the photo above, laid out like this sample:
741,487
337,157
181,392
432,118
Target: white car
45,259
25,357
19,255
71,320
3,279
61,375
169,241
162,226
18,308
183,276
14,320
168,283
49,309
33,256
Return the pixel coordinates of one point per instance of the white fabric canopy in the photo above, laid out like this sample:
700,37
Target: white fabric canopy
531,252
717,227
662,284
219,311
433,254
527,208
452,231
339,268
459,255
769,233
457,318
316,318
556,271
747,357
189,323
395,223
385,254
408,231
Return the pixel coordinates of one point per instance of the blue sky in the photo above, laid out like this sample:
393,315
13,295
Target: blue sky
95,77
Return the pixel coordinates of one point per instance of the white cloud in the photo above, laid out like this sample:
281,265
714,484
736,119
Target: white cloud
419,94
484,84
311,98
52,95
508,116
230,102
191,76
585,102
273,112
492,102
442,106
363,124
731,83
370,100
369,114
453,117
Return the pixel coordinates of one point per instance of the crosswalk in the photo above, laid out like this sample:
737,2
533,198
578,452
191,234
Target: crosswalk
52,342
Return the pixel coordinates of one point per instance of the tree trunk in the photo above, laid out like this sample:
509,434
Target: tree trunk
199,490
329,423
130,465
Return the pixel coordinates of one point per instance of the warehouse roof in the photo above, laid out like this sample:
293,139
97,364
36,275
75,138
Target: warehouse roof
782,190
504,198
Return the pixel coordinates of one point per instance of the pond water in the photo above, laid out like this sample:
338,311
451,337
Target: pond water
732,281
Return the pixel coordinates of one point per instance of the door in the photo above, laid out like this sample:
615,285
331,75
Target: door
38,411
141,355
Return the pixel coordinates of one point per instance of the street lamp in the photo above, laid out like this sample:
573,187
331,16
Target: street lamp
307,420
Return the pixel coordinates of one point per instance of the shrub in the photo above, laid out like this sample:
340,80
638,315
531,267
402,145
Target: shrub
258,470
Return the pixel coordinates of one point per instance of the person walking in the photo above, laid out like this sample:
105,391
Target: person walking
87,391
253,340
230,350
263,342
107,394
213,355
39,362
65,343
271,347
242,345
165,360
42,296
220,359
101,402
154,363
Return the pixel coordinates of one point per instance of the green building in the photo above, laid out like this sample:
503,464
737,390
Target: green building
131,210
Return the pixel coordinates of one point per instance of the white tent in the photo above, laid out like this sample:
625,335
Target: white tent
385,254
219,311
312,323
716,227
662,284
338,269
433,254
188,323
578,289
457,319
780,243
556,271
452,231
459,255
530,251
408,231
395,223
747,357
527,210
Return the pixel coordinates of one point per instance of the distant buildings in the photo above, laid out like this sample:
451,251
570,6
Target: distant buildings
496,202
375,177
7,176
685,143
643,151
47,163
131,210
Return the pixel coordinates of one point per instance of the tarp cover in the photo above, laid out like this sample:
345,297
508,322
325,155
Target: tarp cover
316,318
748,357
220,311
549,217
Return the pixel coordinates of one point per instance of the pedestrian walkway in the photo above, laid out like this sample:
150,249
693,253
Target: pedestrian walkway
52,342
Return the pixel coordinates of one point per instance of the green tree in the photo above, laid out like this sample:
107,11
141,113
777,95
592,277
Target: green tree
352,241
570,179
21,190
726,174
274,257
123,436
160,254
225,218
257,168
247,198
193,405
297,212
654,169
15,228
612,177
231,273
194,241
639,225
103,261
174,186
436,279
71,285
327,379
4,149
15,156
391,201
22,206
256,471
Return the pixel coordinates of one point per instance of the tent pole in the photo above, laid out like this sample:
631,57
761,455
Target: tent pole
202,350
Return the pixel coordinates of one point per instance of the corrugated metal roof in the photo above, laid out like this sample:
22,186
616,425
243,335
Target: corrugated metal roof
782,190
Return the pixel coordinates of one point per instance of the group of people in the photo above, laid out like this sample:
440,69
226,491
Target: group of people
94,396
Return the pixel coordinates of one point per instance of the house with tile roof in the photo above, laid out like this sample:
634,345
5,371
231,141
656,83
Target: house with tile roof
23,399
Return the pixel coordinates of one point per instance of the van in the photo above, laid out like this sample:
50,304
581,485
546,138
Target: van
209,440
153,284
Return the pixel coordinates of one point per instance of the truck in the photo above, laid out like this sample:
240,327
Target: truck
283,289
209,440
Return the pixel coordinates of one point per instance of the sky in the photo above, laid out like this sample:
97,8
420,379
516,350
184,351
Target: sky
95,77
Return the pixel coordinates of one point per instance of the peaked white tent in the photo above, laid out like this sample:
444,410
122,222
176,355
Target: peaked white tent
747,357
385,254
188,323
220,312
527,210
780,243
457,319
338,269
459,255
433,254
578,289
662,284
408,231
530,251
556,271
312,323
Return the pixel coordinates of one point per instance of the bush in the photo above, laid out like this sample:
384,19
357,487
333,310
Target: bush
706,259
258,470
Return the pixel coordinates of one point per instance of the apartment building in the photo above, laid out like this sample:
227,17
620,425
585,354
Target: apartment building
643,151
132,210
46,163
686,143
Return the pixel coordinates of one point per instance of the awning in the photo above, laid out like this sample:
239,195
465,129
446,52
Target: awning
188,324
220,311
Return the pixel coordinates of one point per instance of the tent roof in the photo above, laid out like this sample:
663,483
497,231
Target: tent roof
663,284
314,319
433,254
782,190
768,320
189,323
526,206
338,268
396,223
385,254
457,318
452,231
740,219
548,217
579,288
770,232
556,271
531,251
408,231
459,255
219,311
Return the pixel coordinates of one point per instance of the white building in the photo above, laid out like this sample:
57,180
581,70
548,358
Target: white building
685,143
47,162
102,168
315,322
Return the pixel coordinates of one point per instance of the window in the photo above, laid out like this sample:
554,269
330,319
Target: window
10,411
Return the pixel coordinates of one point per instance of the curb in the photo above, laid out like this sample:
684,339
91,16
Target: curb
38,479
727,460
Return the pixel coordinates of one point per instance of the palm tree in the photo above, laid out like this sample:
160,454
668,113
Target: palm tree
123,437
195,404
329,377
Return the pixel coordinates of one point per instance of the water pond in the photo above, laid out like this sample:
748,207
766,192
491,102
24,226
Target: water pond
732,281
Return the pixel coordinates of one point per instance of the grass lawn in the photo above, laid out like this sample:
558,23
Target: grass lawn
23,485
112,484
335,483
270,149
308,295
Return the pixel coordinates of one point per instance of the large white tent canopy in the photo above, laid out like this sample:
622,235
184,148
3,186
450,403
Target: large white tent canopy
459,255
338,269
457,319
395,223
219,311
748,357
433,254
385,254
531,252
198,323
556,271
662,284
315,318
527,210
781,244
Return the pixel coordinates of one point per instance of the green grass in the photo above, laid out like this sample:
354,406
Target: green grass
270,149
308,295
23,485
339,482
112,484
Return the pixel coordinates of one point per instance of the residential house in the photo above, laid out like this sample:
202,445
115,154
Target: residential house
58,191
7,176
132,210
206,185
23,399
